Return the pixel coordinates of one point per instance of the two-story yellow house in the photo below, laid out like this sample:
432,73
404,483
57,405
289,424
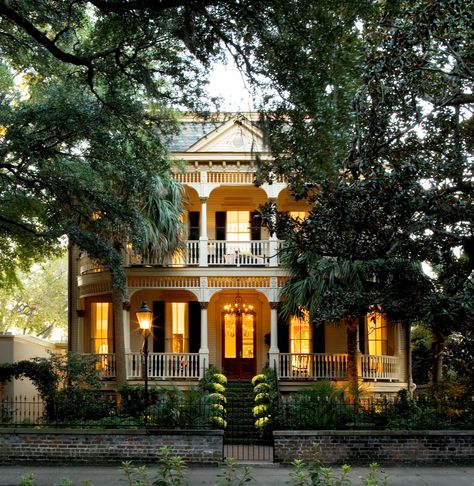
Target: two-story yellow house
217,301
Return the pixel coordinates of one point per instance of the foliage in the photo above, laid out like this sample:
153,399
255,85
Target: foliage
266,399
315,474
397,128
321,407
38,305
169,407
88,98
170,473
213,384
232,476
69,384
437,409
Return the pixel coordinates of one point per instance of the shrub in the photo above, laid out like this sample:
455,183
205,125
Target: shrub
265,399
321,407
213,386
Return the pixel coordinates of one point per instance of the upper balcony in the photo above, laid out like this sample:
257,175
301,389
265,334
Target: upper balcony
255,253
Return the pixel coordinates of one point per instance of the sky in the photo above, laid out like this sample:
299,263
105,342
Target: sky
227,82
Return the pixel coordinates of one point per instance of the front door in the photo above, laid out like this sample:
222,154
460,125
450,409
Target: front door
238,329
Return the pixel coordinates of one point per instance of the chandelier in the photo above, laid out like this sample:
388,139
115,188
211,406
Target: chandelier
238,306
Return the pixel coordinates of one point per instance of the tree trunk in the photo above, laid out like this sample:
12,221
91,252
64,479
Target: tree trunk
352,368
119,337
437,348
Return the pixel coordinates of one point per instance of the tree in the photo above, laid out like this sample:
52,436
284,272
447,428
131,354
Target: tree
401,188
84,138
82,141
39,304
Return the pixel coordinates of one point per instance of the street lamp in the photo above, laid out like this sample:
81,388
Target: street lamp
145,319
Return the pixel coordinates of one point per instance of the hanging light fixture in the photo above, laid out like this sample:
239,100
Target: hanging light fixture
238,306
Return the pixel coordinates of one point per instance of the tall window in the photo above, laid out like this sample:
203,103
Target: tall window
180,327
238,226
300,335
100,327
377,335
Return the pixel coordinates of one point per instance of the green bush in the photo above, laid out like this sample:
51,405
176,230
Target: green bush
213,386
265,399
321,407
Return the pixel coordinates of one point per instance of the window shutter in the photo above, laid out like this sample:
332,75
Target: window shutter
255,226
220,225
194,313
283,335
193,229
319,338
158,326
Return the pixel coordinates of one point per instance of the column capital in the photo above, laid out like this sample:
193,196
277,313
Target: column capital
126,306
203,305
274,305
203,199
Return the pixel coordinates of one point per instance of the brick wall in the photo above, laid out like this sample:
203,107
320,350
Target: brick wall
384,447
21,446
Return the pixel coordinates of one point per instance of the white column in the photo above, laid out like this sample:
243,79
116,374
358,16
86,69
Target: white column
274,352
126,326
203,239
204,349
273,245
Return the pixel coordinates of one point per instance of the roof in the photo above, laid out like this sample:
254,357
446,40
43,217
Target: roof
193,130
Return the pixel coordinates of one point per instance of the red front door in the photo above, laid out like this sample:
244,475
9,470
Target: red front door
238,342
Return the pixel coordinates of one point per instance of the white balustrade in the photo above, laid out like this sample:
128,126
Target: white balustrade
376,367
313,366
164,365
106,365
238,253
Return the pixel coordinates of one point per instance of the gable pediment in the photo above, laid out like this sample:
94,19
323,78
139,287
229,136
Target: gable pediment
235,135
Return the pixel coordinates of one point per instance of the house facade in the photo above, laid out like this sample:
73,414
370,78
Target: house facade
216,302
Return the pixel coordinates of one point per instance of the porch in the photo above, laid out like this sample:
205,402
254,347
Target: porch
290,366
206,253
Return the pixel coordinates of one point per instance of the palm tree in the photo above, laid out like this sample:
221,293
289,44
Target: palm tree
331,289
161,211
340,290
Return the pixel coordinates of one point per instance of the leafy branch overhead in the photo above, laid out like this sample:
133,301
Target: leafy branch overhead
395,121
89,93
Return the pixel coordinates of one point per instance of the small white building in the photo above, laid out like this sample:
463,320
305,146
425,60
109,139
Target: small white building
15,348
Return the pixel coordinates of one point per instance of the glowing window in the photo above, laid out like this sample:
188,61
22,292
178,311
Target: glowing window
238,226
180,327
300,335
230,335
377,336
100,327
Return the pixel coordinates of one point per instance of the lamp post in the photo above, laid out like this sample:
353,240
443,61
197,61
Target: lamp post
145,318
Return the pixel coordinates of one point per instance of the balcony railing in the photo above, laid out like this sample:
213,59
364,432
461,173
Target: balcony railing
239,253
106,365
375,367
334,366
313,366
213,252
163,365
291,366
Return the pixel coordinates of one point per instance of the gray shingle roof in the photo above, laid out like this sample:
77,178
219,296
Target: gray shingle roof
189,134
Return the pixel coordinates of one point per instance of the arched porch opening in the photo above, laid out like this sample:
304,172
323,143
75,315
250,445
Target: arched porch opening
175,337
239,330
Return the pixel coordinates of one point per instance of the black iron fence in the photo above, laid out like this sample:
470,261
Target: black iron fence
295,411
401,412
21,410
167,411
